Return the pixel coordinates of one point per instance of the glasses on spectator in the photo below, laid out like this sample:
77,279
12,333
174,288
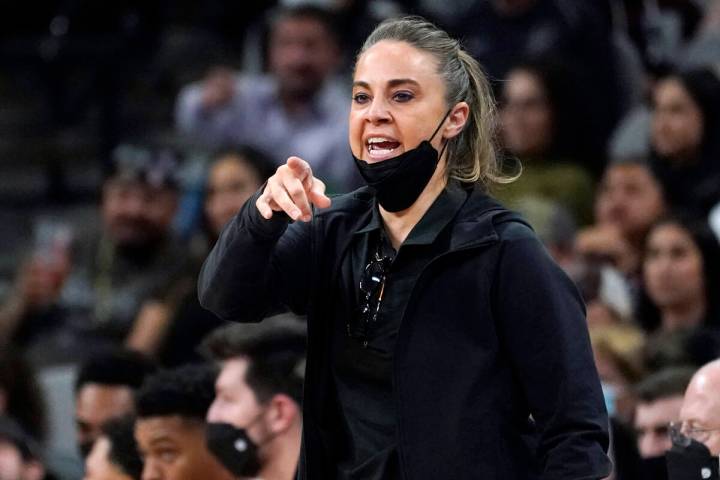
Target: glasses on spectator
681,433
372,288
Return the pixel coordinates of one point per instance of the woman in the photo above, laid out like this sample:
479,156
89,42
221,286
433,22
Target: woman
680,275
539,126
437,324
685,119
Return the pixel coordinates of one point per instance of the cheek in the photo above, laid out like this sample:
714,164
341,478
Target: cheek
650,272
714,444
355,133
692,271
541,123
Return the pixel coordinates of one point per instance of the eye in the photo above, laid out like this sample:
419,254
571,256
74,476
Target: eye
361,98
403,96
167,456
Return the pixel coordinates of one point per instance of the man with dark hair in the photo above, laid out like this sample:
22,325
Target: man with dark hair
104,390
660,398
127,255
258,397
170,425
114,455
300,104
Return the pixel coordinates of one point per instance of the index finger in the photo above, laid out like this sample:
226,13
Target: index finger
302,170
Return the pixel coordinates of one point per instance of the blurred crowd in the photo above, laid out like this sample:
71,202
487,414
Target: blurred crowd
110,368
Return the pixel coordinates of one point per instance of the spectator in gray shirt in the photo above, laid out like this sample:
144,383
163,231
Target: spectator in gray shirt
298,108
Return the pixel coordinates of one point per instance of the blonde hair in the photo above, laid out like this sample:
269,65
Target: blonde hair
471,155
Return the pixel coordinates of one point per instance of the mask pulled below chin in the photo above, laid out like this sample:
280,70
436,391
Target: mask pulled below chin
399,181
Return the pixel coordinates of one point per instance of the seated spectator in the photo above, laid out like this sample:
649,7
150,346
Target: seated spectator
114,455
700,412
114,269
104,391
170,426
234,176
680,276
628,202
540,128
258,397
171,326
19,455
301,108
501,33
659,399
20,395
696,437
684,142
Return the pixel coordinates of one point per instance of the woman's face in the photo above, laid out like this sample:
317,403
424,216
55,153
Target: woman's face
673,267
398,100
526,116
231,182
677,121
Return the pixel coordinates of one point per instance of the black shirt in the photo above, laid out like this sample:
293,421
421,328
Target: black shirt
363,371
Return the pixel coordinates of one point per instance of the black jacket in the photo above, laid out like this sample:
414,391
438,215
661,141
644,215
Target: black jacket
493,332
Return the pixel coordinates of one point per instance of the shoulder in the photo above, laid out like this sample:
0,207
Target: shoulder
484,217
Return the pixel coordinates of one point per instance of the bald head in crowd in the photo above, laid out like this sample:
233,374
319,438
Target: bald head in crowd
700,412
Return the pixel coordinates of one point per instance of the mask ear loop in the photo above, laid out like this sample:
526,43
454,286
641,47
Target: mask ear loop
442,150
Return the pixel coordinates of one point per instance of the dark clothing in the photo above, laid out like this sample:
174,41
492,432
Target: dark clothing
363,373
493,331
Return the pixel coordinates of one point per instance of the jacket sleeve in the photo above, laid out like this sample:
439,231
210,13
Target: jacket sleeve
542,322
257,267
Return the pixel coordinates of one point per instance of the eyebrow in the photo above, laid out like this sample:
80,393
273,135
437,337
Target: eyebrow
391,83
164,438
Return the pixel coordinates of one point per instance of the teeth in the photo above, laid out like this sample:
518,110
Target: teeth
378,140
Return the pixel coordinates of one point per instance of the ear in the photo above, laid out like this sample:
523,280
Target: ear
282,413
457,118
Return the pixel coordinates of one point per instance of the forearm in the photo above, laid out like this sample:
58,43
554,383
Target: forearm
236,277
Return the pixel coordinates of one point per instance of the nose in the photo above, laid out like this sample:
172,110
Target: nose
134,206
378,112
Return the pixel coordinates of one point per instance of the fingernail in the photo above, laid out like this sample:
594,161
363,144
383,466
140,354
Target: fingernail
306,218
295,214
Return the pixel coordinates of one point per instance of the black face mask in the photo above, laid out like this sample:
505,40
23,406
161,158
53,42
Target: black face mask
653,468
691,462
400,180
233,448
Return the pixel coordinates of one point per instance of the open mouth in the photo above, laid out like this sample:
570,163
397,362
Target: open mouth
380,148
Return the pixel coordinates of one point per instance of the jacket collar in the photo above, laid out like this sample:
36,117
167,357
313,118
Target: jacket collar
475,223
473,226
